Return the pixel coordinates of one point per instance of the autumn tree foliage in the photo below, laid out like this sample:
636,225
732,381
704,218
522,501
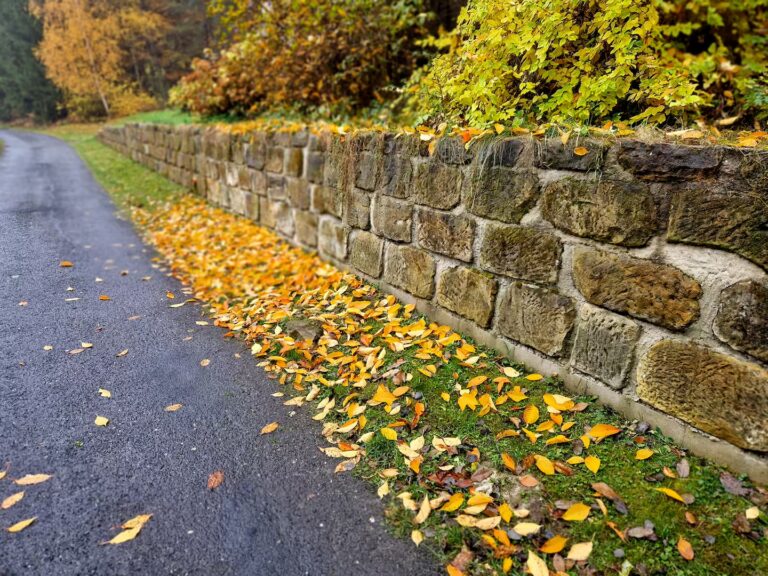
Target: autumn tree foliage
110,57
586,61
334,54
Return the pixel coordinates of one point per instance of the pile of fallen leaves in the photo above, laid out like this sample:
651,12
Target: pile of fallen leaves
491,468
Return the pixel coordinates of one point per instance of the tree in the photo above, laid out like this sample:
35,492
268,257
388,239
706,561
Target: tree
24,89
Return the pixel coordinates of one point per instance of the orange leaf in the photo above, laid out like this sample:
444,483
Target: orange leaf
685,549
215,480
509,462
580,151
599,431
553,545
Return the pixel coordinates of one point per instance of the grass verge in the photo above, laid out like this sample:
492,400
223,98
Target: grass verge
486,463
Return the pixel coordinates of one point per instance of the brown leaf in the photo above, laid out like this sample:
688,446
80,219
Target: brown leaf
463,559
215,480
733,485
685,549
683,468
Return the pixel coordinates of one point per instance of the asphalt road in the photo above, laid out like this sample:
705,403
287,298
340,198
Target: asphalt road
281,509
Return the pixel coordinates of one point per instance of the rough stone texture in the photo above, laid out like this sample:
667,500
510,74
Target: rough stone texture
604,345
265,213
366,252
735,221
493,152
611,211
410,269
297,191
553,154
452,151
654,292
256,152
357,209
753,170
294,162
446,233
502,193
469,293
274,161
396,176
367,171
327,200
536,317
276,187
315,167
332,238
668,161
437,185
716,393
392,218
742,318
283,218
522,253
306,228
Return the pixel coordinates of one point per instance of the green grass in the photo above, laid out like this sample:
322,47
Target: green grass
129,183
169,116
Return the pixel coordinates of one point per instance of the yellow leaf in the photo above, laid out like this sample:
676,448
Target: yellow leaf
19,526
104,297
383,395
527,528
30,479
11,500
105,393
3,473
509,462
417,537
530,414
137,521
478,499
454,502
516,395
204,362
545,465
476,381
599,431
505,512
553,545
506,565
423,511
559,439
170,295
592,463
580,552
671,493
536,566
685,549
499,128
66,264
576,513
488,523
575,460
643,454
445,396
752,513
125,535
510,372
269,428
580,151
101,421
453,571
534,377
388,433
173,408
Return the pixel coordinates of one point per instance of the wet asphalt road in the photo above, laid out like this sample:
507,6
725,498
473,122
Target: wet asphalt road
280,511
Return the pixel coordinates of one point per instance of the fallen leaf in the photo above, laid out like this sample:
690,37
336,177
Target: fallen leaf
509,462
553,545
122,353
204,362
544,464
101,421
170,295
424,511
215,479
685,549
536,566
454,502
269,428
527,528
65,264
671,493
752,513
600,431
388,433
19,526
173,407
417,537
528,481
643,454
104,298
530,414
11,500
576,513
105,393
580,151
580,552
125,536
31,479
592,463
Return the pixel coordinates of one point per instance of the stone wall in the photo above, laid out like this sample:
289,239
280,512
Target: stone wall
635,271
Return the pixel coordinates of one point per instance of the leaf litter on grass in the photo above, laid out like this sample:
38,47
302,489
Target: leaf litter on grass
492,465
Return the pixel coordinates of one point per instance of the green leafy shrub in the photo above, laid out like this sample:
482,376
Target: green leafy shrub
303,53
584,61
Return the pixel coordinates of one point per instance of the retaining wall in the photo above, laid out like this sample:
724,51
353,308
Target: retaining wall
635,271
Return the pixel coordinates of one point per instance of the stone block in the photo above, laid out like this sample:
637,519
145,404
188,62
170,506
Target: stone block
742,318
554,155
451,150
294,162
265,213
536,317
396,176
276,187
668,161
258,184
275,160
392,218
521,253
495,152
306,228
469,293
315,167
332,238
256,152
714,392
446,233
327,200
367,171
654,292
282,214
252,206
613,211
502,193
604,345
366,252
437,185
297,190
410,269
732,220
357,209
